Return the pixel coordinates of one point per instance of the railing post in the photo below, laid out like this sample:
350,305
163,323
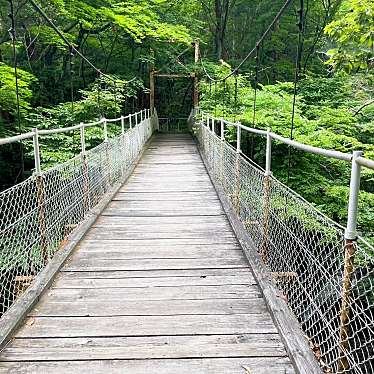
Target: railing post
222,145
350,239
267,180
237,169
40,195
106,141
105,130
86,190
122,125
130,121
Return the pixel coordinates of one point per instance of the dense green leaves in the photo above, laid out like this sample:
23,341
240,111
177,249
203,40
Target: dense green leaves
353,34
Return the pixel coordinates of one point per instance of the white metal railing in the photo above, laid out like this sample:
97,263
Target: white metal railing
356,159
38,214
324,271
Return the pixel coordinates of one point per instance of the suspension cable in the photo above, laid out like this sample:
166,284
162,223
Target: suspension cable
12,32
71,71
215,99
115,99
253,50
224,98
257,59
299,52
99,93
67,42
236,97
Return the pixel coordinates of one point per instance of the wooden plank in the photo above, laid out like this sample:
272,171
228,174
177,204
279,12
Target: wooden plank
153,253
152,347
145,167
154,264
255,365
39,327
166,205
142,246
119,232
165,224
149,308
166,242
186,220
162,211
64,282
154,293
185,273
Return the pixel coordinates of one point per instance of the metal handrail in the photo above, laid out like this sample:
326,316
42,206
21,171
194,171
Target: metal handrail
298,145
355,158
36,133
59,130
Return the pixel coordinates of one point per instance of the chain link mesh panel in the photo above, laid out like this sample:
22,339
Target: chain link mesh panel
37,215
327,283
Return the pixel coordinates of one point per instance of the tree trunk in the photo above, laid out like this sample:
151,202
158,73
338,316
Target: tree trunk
221,8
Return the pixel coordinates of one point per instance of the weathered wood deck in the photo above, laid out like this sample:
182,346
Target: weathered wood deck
158,285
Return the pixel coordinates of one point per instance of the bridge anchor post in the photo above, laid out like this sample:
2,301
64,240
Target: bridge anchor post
350,247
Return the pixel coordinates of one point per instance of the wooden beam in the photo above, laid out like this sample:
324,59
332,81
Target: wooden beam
173,75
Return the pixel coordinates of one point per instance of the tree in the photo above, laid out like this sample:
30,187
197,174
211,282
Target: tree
352,35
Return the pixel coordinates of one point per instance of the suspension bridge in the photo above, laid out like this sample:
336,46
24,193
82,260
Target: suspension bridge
168,252
166,249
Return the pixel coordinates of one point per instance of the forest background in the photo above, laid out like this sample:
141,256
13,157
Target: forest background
334,102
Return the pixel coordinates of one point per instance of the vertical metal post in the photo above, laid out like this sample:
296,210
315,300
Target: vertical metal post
222,145
238,138
136,119
122,125
86,197
36,151
350,246
130,121
267,179
141,116
108,166
83,139
237,169
105,130
40,196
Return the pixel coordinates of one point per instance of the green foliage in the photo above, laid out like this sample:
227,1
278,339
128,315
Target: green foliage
140,20
353,34
8,98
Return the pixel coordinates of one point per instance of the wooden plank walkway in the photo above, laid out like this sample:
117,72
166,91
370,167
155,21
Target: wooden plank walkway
158,285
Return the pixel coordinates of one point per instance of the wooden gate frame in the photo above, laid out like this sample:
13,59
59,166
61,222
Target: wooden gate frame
154,73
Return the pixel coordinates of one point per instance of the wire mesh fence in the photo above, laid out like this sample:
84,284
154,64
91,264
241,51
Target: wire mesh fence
327,283
37,215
